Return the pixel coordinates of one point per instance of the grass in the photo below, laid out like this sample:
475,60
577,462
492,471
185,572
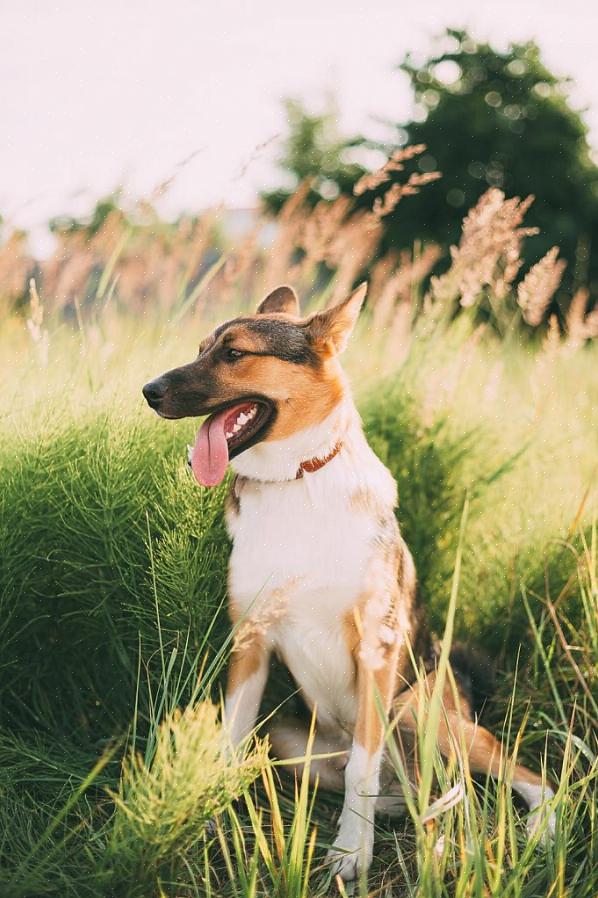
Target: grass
114,637
115,778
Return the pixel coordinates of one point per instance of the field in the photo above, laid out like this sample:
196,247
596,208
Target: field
113,630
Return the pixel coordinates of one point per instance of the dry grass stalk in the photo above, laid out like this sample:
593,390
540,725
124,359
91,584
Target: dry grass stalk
350,252
322,227
386,204
35,323
141,262
579,325
488,254
373,180
400,334
16,265
241,260
542,378
399,287
380,271
552,340
536,290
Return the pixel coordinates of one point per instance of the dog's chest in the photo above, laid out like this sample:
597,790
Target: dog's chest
307,549
298,567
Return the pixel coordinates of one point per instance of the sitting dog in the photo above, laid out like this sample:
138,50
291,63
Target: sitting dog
319,573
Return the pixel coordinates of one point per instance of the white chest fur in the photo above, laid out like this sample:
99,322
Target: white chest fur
301,551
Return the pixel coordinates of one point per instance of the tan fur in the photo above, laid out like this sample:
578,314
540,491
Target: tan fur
365,500
305,395
244,663
458,731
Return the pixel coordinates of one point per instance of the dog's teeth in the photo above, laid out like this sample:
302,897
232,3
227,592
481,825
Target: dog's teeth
236,428
242,419
190,454
228,435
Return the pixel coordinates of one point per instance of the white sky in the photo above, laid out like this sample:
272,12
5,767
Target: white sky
94,93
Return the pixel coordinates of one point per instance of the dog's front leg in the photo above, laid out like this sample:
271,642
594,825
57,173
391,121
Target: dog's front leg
247,675
353,846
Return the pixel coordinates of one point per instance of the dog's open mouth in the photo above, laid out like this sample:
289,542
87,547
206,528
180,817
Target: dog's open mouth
223,435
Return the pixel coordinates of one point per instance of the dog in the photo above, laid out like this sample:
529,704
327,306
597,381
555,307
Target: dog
319,573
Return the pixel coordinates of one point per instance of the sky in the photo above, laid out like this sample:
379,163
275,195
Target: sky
97,94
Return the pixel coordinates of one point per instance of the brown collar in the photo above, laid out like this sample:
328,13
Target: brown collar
314,464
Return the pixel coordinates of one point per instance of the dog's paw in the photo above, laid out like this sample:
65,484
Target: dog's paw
541,819
541,824
351,853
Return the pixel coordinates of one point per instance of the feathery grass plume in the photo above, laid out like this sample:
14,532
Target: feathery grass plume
240,261
35,324
162,807
488,254
539,285
384,205
380,271
400,285
350,251
373,180
15,265
542,376
552,340
322,226
579,325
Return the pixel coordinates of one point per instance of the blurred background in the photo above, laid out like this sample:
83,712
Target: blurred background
225,101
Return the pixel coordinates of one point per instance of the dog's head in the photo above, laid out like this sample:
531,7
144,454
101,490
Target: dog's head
259,377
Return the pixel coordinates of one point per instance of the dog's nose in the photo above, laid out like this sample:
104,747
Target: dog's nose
154,391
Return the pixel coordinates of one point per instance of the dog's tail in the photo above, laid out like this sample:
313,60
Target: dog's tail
474,673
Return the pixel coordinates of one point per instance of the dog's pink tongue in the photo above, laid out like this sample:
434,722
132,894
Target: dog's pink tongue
210,453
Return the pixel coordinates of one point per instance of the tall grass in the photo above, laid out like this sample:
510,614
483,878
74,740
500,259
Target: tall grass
113,778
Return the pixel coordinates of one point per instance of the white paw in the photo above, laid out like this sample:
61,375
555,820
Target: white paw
352,850
541,819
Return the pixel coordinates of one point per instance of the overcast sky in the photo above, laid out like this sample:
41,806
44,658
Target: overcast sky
94,93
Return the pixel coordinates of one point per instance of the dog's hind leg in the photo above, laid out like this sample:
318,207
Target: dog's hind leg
289,740
458,732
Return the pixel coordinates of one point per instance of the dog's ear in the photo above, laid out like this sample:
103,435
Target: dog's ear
283,299
330,330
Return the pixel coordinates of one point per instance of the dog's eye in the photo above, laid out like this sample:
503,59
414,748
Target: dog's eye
233,354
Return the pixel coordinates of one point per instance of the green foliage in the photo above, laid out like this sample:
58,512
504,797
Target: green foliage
313,149
163,807
502,119
111,587
426,464
488,118
78,505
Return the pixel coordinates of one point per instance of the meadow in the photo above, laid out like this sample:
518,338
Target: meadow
113,579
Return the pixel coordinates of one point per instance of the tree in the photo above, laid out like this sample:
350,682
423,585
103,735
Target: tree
313,148
488,118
